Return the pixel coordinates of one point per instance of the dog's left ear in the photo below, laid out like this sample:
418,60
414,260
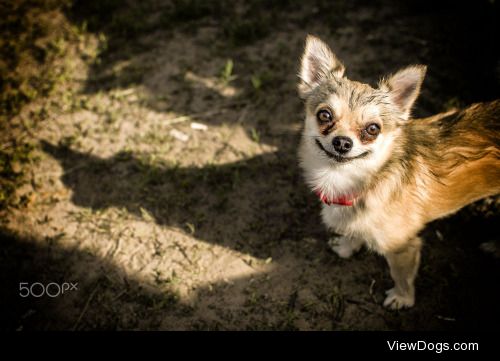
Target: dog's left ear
404,87
318,63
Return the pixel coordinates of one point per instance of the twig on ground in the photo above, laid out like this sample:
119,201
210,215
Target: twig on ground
85,307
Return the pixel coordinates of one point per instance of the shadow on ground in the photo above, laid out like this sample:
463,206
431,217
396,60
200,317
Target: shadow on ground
456,290
454,39
253,200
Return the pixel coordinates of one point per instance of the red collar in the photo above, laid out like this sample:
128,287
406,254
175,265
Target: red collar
343,201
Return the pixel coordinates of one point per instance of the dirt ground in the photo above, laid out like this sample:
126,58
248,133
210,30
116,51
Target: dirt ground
167,227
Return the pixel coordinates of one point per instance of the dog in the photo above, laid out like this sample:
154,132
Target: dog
382,175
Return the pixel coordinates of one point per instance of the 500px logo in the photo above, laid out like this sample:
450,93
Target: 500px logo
52,289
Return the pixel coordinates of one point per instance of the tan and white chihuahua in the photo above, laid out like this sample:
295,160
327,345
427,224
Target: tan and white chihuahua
380,174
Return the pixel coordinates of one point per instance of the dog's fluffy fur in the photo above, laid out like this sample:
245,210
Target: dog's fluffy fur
410,173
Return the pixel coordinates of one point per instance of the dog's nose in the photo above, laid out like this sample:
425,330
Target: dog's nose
342,144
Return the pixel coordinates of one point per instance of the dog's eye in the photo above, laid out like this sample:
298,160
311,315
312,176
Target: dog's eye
373,129
324,116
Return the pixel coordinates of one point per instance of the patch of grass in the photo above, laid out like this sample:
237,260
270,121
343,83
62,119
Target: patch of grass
12,162
255,135
333,304
227,75
36,42
34,35
256,81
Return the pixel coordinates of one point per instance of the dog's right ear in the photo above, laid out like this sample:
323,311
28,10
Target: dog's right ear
318,63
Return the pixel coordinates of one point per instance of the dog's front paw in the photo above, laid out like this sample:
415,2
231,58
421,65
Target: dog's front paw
396,301
341,246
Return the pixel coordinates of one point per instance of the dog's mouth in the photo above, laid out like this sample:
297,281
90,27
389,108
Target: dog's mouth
337,157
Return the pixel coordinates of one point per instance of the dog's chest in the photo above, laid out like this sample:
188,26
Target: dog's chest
358,223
